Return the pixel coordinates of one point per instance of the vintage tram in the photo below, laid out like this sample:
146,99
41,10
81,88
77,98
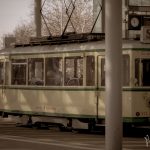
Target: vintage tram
64,82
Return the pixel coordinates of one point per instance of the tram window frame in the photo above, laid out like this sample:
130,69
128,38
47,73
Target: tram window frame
73,73
125,70
90,70
1,73
18,71
54,71
36,71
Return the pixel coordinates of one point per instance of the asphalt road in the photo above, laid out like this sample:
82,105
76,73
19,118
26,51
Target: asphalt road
21,138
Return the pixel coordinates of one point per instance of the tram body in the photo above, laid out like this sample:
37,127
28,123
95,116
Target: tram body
67,82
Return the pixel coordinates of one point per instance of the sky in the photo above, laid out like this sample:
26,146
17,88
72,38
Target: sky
13,13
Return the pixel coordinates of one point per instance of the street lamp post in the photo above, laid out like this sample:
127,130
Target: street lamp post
113,30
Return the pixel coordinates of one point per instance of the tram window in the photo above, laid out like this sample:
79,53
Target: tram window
1,73
35,72
146,72
73,71
102,72
90,70
126,70
53,73
18,74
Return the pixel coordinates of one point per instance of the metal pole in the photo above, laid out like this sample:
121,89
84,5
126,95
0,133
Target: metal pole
38,17
113,18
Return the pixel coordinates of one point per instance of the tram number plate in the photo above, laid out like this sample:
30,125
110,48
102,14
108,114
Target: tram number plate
143,114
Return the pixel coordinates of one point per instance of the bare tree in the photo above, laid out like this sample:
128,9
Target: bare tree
1,43
23,32
55,16
57,13
83,17
51,13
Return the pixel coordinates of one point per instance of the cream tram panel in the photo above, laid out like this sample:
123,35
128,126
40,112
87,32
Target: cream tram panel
127,104
141,104
60,102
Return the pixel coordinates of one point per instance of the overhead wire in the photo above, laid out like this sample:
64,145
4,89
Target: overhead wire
96,17
73,4
67,9
50,34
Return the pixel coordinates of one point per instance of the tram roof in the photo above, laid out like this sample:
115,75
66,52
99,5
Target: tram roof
72,47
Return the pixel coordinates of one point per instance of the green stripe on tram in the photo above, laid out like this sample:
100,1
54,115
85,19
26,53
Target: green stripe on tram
72,88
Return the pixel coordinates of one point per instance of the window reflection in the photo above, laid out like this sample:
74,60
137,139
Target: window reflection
18,72
53,71
36,70
73,71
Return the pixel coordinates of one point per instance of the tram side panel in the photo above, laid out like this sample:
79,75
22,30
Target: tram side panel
141,107
127,105
135,107
73,104
58,103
